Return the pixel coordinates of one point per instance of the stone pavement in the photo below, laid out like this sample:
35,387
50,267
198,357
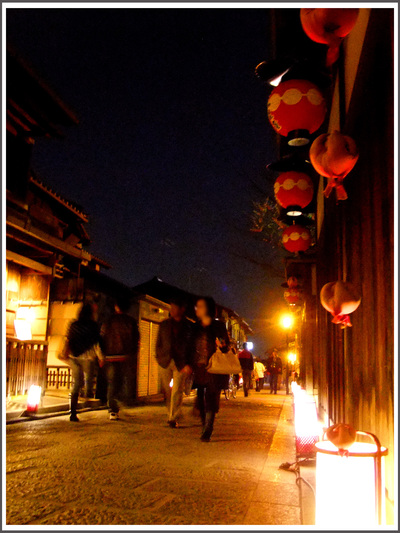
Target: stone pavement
140,471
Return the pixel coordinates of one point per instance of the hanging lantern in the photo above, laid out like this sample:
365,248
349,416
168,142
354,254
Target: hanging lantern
334,155
296,109
340,298
328,26
293,191
296,239
292,282
350,486
292,296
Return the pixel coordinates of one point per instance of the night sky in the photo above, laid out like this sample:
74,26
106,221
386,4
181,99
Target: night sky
172,133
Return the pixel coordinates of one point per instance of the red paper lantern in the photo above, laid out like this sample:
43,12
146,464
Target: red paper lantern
294,191
292,296
296,109
292,282
296,239
328,26
334,155
340,298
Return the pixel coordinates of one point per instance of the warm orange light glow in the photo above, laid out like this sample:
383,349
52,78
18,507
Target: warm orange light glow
33,401
287,321
345,488
292,358
23,330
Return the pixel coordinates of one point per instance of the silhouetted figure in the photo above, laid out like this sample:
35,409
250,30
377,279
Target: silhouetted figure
208,333
274,367
247,363
173,355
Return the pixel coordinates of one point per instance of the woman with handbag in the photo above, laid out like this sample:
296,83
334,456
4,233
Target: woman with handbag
82,349
208,335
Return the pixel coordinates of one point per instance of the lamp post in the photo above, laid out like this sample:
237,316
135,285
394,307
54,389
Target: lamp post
287,323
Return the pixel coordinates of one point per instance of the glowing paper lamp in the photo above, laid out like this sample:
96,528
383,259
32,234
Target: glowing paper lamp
350,487
23,323
296,109
307,428
33,401
296,238
334,155
328,26
293,191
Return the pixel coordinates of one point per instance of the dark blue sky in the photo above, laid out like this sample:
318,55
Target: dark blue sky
173,130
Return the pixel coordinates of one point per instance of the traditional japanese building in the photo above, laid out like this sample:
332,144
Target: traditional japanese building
350,371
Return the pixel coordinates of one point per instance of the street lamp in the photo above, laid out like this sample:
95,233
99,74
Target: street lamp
287,323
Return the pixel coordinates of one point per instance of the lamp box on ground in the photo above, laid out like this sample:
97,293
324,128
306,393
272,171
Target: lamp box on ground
33,401
350,486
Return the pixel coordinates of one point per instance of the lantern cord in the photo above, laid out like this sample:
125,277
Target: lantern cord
295,468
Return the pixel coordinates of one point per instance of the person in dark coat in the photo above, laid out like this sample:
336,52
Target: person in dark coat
83,335
120,342
173,355
247,363
274,367
208,333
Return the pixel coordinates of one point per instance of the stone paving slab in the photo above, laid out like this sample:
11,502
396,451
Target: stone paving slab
140,471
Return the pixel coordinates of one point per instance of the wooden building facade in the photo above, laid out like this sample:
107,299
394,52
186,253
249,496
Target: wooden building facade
351,370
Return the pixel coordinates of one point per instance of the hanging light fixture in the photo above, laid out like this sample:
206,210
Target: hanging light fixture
294,191
296,239
296,109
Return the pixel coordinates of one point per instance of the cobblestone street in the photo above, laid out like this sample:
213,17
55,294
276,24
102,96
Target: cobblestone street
140,471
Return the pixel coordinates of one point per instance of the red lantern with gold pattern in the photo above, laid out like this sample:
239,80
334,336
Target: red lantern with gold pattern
292,296
294,191
328,26
296,238
296,109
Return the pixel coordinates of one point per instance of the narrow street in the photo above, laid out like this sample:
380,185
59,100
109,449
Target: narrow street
140,471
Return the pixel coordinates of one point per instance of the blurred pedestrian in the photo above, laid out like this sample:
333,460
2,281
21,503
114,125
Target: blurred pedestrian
259,370
274,366
172,354
81,351
208,334
247,363
120,337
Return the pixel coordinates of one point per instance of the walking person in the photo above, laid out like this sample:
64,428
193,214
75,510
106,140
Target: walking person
274,366
120,339
81,350
172,354
247,363
259,370
208,334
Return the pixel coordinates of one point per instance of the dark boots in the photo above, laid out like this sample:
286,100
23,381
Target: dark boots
73,402
208,426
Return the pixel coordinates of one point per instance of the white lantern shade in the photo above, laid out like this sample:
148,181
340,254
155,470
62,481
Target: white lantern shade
345,487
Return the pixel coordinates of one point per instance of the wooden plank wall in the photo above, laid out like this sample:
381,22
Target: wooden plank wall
353,368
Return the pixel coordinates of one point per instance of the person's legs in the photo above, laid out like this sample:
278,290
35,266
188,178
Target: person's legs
261,384
166,375
201,403
274,383
212,399
77,383
89,370
114,377
176,393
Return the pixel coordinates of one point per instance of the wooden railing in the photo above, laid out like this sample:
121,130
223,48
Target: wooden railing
59,378
25,365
